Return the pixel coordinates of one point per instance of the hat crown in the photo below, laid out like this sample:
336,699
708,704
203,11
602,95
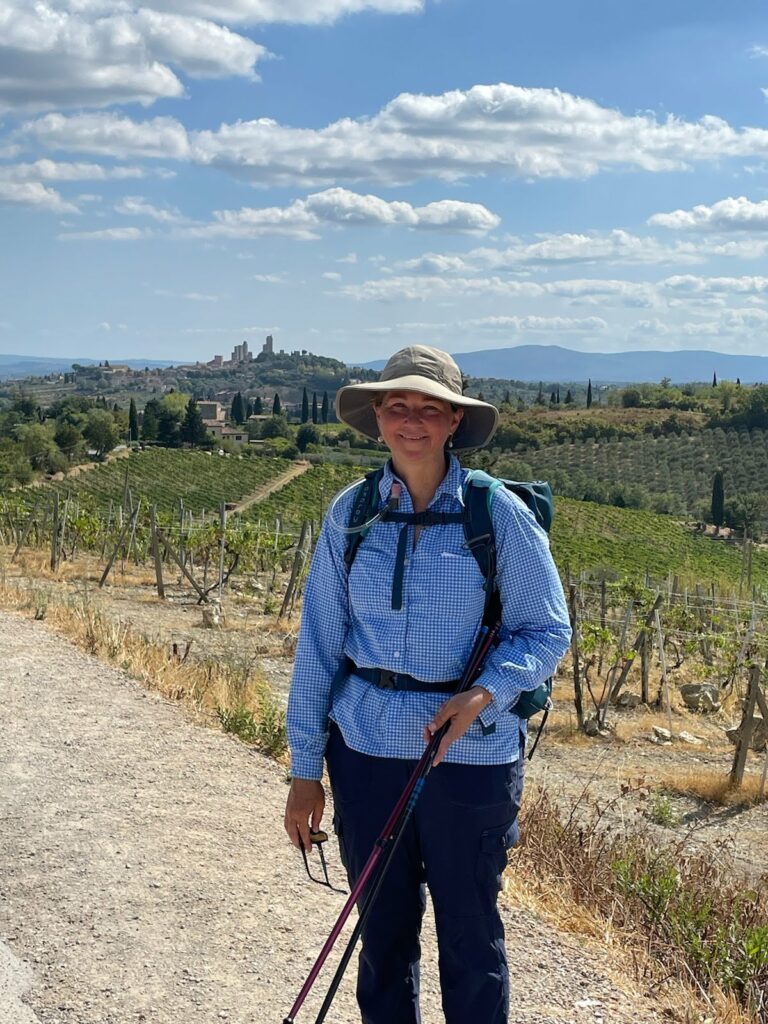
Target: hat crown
424,361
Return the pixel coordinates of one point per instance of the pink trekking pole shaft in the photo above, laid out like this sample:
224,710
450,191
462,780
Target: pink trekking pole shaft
389,833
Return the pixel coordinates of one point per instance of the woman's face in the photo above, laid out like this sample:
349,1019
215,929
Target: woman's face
415,426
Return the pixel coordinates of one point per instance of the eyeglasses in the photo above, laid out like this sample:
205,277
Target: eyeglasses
317,839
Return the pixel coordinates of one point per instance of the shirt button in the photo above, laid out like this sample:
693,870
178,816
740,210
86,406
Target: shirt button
396,654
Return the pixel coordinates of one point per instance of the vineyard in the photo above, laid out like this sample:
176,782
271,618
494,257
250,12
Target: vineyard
679,468
188,488
610,542
163,477
306,497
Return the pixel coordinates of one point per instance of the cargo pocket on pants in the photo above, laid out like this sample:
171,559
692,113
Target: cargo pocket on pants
495,844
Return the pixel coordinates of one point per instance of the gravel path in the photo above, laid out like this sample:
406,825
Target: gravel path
144,876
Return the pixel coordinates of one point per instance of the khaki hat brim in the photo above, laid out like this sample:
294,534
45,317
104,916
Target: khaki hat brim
354,406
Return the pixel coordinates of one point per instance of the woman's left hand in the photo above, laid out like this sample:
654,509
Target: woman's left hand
460,711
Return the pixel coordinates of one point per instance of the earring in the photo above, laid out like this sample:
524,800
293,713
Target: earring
450,440
380,439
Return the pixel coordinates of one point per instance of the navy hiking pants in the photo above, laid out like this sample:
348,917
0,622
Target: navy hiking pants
456,843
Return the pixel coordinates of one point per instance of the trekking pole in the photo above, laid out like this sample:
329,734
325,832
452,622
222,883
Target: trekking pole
387,843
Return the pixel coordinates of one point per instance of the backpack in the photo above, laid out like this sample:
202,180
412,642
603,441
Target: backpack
479,488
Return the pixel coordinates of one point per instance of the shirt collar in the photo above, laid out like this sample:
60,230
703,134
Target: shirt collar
451,484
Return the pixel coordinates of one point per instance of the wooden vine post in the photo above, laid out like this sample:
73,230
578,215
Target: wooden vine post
663,663
574,617
745,732
55,533
156,552
222,546
298,564
629,660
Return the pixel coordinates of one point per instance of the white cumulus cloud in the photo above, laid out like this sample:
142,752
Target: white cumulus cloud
306,12
56,54
34,194
538,324
105,235
739,214
50,170
616,247
501,129
111,135
137,206
338,207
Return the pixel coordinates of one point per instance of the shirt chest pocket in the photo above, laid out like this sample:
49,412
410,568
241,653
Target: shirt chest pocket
453,586
370,582
444,582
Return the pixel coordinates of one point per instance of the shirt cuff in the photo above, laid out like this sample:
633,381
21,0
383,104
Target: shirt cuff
307,766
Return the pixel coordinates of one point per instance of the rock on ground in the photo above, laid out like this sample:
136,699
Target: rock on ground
144,875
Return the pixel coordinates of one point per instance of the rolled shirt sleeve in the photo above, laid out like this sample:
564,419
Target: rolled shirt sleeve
536,629
320,649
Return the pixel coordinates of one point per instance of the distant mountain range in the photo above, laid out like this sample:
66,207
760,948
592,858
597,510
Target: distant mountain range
552,363
15,367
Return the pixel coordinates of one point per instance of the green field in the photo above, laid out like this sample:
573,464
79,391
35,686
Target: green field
307,496
162,476
602,539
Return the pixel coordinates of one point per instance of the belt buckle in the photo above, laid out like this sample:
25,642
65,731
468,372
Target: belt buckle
387,679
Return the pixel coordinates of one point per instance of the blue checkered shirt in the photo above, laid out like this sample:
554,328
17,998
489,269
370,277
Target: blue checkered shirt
430,637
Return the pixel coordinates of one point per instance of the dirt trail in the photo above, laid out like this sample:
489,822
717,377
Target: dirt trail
274,485
144,876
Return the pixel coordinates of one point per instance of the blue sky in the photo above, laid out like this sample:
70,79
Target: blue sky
356,175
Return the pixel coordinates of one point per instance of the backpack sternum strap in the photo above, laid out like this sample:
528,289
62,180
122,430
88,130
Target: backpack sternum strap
425,518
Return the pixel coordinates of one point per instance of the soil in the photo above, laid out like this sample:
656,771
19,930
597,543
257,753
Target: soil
144,874
146,877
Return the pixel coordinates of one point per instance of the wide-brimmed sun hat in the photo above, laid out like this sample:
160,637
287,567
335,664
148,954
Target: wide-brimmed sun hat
431,372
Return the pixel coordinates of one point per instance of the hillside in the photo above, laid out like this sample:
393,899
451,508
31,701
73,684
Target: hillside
680,467
555,363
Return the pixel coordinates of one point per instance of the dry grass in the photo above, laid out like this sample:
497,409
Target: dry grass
713,787
694,930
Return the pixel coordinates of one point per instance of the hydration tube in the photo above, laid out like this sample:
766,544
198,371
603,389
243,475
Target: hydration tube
392,504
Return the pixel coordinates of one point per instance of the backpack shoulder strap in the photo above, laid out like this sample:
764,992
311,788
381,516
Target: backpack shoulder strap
364,507
479,488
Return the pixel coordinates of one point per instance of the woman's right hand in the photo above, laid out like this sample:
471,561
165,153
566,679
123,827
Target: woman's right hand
304,810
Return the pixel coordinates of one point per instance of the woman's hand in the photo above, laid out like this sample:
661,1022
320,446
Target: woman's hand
460,711
304,810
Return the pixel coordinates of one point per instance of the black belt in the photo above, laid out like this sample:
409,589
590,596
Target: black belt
385,679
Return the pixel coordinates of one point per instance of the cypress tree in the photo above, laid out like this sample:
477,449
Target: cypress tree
589,394
718,499
192,428
133,422
258,406
277,407
540,395
568,397
324,408
315,416
241,410
304,406
714,379
149,420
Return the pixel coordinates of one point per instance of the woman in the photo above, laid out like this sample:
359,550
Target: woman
415,623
